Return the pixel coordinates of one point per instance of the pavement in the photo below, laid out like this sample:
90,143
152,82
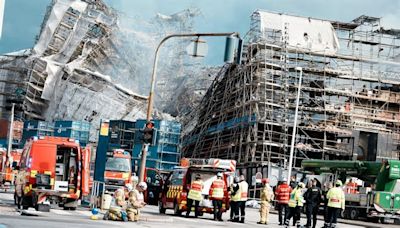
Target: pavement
10,218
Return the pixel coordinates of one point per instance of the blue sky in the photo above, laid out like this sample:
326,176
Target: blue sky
23,17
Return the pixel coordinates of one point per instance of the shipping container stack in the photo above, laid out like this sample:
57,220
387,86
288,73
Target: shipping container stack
78,130
164,155
121,135
36,128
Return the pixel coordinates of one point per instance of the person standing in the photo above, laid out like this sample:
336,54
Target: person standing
243,188
234,202
266,198
216,193
313,198
19,182
336,203
195,196
282,194
295,205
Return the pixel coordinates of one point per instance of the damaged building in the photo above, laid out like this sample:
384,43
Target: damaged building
90,62
349,105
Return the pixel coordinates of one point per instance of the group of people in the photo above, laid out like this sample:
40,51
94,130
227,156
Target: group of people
126,202
292,199
238,194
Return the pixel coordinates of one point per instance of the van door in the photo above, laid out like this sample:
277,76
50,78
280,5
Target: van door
86,152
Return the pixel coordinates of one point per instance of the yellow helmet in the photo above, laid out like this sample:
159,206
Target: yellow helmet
339,183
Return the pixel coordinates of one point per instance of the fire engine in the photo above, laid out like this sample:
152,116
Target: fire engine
56,170
118,170
177,184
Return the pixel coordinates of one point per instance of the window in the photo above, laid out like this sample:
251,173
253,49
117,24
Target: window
118,164
177,177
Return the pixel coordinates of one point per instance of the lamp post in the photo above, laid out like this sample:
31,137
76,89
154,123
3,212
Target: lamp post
294,125
153,79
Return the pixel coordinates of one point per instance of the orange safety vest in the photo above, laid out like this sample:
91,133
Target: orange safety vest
217,189
195,191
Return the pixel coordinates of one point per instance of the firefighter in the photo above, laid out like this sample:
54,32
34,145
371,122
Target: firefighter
243,188
313,198
295,205
216,193
195,196
336,203
20,180
282,194
136,201
117,208
235,197
266,198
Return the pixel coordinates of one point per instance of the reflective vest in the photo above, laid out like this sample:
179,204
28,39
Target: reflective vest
195,191
243,188
235,197
336,198
282,193
296,198
217,189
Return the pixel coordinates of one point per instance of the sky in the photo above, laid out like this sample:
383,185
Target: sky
23,18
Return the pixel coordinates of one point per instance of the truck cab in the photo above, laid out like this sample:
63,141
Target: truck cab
118,170
177,184
56,171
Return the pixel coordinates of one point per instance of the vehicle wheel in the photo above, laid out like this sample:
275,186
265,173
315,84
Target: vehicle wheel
382,220
161,207
353,213
34,201
177,212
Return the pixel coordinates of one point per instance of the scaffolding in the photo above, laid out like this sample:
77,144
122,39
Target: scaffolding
349,104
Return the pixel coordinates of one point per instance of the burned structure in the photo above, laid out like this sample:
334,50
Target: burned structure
349,97
90,62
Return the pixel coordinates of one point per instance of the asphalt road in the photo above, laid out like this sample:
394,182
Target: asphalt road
10,218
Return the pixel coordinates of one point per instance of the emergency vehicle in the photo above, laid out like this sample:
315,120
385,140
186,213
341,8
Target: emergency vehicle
57,171
177,184
118,170
15,157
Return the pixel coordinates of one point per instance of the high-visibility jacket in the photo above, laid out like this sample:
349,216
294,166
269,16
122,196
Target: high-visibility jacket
336,198
296,198
282,193
217,189
195,191
244,189
236,196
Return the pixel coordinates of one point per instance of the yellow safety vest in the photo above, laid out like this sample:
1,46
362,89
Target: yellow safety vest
243,188
195,191
336,198
236,197
296,198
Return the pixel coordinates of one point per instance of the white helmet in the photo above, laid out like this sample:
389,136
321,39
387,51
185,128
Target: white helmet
142,185
220,175
134,179
129,187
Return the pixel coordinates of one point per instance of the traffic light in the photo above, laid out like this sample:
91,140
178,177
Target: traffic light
149,133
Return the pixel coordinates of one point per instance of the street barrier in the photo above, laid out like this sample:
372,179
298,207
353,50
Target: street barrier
97,193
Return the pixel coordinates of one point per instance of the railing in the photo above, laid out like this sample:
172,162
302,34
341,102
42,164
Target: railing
97,193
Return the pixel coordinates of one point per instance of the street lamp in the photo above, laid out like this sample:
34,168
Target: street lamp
294,125
228,57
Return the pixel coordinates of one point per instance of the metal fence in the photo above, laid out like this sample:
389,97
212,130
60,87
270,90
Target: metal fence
97,193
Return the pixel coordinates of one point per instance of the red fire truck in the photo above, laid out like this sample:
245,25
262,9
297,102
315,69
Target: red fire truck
57,171
177,184
118,170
